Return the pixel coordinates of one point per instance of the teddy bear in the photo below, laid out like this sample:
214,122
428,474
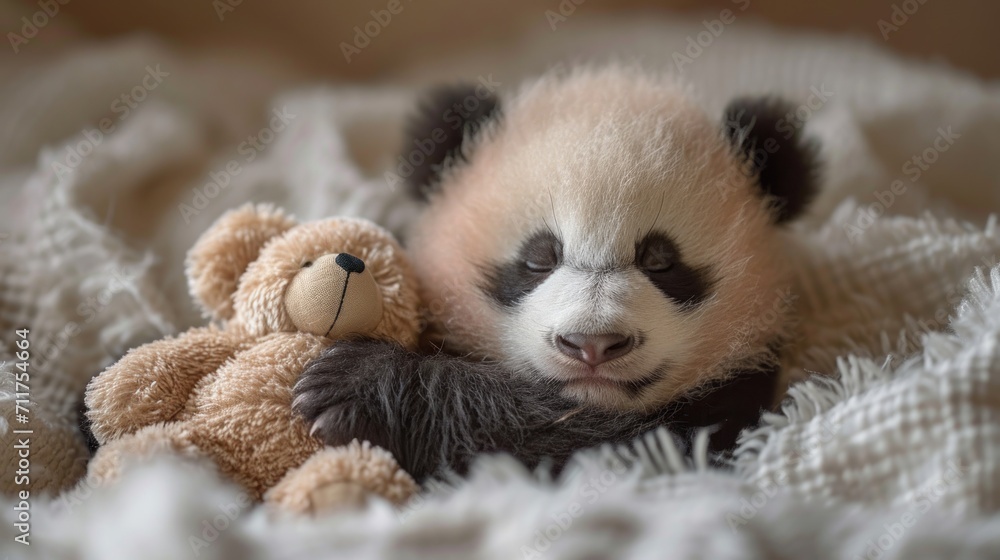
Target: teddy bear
276,293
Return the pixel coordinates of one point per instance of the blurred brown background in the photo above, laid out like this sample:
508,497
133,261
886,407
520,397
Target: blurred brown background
960,32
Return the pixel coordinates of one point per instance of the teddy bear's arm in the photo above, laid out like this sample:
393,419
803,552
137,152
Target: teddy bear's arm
437,412
152,383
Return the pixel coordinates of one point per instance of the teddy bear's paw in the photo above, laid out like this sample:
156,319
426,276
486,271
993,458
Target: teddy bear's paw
338,495
321,500
117,455
342,478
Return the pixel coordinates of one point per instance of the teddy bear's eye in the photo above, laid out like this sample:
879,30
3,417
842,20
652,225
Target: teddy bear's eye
307,264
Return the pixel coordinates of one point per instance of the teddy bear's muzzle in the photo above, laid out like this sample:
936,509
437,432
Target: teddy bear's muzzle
334,296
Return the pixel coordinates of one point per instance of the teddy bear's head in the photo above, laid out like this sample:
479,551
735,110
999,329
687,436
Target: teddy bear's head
258,269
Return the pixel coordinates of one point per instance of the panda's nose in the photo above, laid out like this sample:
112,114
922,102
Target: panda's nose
594,349
350,263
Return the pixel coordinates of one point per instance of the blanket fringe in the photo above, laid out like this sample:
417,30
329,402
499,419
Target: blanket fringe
808,400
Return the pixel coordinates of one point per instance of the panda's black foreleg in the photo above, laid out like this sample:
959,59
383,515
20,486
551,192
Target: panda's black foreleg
435,413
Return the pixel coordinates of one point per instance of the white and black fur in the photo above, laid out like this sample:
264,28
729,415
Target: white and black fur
604,201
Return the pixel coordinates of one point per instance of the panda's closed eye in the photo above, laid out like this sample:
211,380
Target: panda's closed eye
656,256
542,267
541,254
660,260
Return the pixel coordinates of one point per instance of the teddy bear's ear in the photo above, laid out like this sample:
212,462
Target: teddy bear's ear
223,253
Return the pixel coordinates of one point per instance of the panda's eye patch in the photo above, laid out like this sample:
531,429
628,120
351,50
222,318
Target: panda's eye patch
541,253
660,260
507,283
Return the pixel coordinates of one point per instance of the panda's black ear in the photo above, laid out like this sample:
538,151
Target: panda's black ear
446,118
765,132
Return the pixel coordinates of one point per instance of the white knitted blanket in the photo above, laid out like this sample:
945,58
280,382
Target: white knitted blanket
888,447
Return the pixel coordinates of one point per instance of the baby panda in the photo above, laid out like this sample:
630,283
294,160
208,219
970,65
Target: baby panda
600,257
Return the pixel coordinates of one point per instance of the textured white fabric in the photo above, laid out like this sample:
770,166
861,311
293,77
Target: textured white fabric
890,452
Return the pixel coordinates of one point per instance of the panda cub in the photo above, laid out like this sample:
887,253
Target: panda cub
600,256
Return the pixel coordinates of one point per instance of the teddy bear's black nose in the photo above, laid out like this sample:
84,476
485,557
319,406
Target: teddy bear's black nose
350,263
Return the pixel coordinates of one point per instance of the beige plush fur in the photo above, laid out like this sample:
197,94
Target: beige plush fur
277,297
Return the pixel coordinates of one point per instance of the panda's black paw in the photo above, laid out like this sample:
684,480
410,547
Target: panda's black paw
339,395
